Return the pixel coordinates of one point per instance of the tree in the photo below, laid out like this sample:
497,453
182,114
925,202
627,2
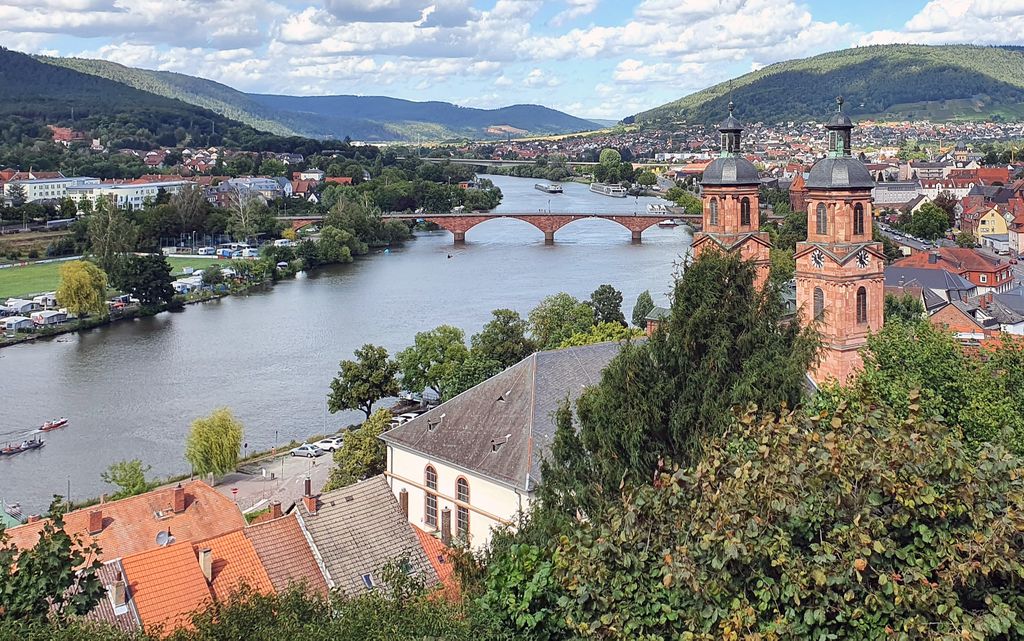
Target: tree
601,333
476,369
83,288
56,578
16,192
111,236
929,222
947,202
846,525
966,239
685,199
725,347
607,304
646,179
364,381
191,206
905,307
362,454
273,167
610,158
129,476
431,359
334,246
212,275
503,339
558,317
248,212
213,443
147,278
641,308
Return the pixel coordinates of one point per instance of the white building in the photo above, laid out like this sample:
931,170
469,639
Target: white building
126,195
479,455
47,188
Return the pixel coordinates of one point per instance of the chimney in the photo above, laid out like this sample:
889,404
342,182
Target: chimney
446,526
95,521
307,496
32,518
118,591
307,487
275,510
206,563
933,257
179,499
403,501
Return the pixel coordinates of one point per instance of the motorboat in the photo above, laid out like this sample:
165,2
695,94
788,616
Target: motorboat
55,424
668,222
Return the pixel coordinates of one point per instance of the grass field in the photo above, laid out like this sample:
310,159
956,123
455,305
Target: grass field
38,278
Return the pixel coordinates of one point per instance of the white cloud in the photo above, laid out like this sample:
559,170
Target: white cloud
575,9
958,21
539,78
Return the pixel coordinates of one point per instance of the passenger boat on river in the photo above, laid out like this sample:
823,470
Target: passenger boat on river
55,424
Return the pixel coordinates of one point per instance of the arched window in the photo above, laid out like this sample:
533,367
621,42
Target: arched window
862,305
858,219
821,224
713,207
462,512
819,303
430,500
745,211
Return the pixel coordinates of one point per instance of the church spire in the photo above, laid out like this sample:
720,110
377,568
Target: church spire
730,130
839,132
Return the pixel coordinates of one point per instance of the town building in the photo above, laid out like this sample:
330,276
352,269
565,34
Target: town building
478,456
133,195
839,269
988,274
46,189
729,190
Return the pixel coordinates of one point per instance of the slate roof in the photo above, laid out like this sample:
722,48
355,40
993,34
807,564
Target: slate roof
502,428
1012,299
658,314
167,586
731,170
358,530
285,553
957,287
843,172
131,525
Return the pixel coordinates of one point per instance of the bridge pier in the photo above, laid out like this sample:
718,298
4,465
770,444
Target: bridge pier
460,237
549,238
636,236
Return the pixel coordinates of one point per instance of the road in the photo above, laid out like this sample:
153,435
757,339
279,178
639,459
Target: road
256,489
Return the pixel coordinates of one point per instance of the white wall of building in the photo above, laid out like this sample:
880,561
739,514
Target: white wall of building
126,196
491,503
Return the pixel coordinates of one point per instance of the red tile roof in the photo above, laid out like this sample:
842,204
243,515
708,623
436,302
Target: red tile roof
235,564
131,525
955,259
286,555
339,180
440,558
167,586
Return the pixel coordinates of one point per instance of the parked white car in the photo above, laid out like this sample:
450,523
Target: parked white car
330,444
308,450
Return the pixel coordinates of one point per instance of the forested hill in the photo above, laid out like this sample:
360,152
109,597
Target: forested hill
358,117
896,82
122,116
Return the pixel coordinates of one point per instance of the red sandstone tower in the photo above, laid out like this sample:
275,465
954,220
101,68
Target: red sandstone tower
731,222
839,270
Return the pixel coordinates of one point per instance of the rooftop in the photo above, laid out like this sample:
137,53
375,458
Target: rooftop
285,553
167,586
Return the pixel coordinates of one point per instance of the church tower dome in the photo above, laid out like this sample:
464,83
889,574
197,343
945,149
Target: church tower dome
730,168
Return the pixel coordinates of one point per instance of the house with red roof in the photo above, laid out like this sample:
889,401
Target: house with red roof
987,273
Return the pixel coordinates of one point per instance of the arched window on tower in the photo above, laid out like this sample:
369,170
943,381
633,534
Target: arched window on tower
858,219
430,498
745,211
862,305
461,512
819,303
821,219
713,207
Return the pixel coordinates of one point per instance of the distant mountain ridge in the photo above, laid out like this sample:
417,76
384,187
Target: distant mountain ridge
888,82
370,118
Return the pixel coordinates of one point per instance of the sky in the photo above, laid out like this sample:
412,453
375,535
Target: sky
592,58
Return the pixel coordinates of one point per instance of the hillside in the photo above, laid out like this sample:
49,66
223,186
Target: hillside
358,117
898,82
122,115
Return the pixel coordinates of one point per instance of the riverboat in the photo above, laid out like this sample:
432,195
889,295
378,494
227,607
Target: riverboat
548,188
55,424
25,446
615,191
667,223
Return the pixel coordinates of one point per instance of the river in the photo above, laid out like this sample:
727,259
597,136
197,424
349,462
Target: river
131,389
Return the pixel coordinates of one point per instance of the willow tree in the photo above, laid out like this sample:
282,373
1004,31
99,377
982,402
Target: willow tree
83,288
726,345
213,443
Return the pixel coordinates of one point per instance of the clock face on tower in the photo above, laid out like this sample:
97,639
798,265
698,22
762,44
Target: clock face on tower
862,259
818,258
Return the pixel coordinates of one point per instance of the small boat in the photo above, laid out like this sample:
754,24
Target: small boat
9,449
55,424
667,223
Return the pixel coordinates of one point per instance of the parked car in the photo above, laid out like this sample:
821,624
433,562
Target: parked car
408,416
330,444
308,450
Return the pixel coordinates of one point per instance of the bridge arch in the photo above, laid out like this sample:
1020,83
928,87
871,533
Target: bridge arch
548,223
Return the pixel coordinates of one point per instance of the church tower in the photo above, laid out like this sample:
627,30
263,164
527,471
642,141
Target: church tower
840,285
731,205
